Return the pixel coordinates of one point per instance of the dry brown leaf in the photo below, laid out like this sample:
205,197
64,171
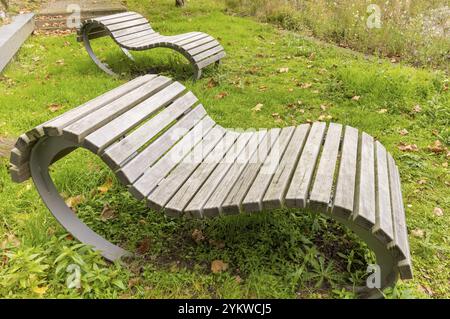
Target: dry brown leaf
438,211
107,213
257,107
403,132
221,95
323,107
382,111
305,85
218,266
416,109
238,279
54,107
106,186
407,147
74,201
436,147
143,246
40,290
60,62
356,98
197,236
263,88
10,241
211,83
283,70
420,233
422,181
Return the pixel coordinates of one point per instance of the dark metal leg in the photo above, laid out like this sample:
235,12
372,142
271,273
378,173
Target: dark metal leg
42,156
94,58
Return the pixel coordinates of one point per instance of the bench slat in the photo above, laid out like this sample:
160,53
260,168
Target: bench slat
297,193
274,197
321,190
119,33
383,228
153,175
184,194
233,201
197,42
213,206
252,201
195,207
170,184
129,24
136,35
116,15
136,166
208,53
98,140
204,47
122,19
364,214
78,130
345,189
210,60
123,149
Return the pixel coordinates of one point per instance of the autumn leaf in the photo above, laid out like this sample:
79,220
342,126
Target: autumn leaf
221,95
407,147
197,236
262,88
283,70
143,246
436,147
107,213
106,186
403,132
356,98
382,111
60,62
438,211
218,266
257,107
54,107
74,201
305,85
420,233
40,290
211,83
323,107
416,109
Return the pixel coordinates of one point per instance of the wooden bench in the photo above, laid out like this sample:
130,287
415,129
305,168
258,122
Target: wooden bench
131,31
163,146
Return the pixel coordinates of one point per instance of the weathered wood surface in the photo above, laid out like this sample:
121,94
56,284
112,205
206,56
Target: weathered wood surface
164,147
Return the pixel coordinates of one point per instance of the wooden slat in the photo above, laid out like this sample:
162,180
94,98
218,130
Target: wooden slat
364,214
297,193
136,166
208,53
252,201
122,19
345,190
213,206
205,47
321,190
274,196
195,207
184,194
125,148
170,184
113,16
78,130
137,35
154,37
189,37
98,140
210,60
233,202
383,228
54,127
129,24
153,175
127,31
200,41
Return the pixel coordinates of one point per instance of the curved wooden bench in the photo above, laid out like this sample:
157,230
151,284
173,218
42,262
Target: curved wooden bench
164,147
131,31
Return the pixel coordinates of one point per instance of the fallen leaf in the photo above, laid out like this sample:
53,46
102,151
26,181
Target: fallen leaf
382,111
10,241
107,213
238,279
60,62
54,107
403,132
211,83
438,211
305,85
74,201
422,181
40,290
323,107
407,147
356,98
263,88
312,56
221,95
218,266
197,236
257,107
416,109
436,147
283,70
143,246
106,186
418,233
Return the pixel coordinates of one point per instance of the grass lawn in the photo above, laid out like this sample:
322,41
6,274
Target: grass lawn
279,254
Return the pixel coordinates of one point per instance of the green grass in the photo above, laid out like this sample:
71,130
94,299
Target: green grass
281,254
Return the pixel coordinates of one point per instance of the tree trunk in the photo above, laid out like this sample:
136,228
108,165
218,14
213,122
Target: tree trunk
179,3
